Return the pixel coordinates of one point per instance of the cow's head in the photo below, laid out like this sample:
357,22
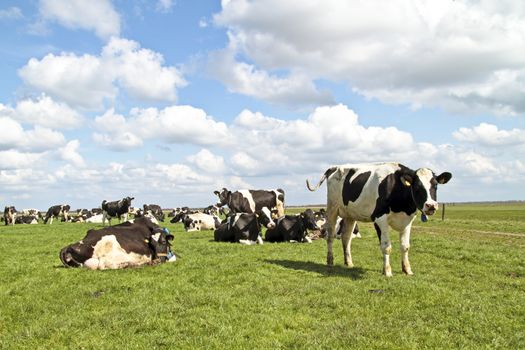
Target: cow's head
309,221
126,202
223,196
265,218
423,187
160,243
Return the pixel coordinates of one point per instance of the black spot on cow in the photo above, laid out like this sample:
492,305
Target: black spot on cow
352,190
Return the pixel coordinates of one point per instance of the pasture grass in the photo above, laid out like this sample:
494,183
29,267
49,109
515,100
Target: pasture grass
468,291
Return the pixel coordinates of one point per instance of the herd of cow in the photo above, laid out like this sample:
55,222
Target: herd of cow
387,194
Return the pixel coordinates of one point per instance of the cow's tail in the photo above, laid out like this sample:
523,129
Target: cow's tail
326,174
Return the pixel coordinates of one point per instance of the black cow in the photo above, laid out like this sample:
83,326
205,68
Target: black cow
293,228
116,209
57,210
251,201
387,194
155,210
242,228
129,244
9,215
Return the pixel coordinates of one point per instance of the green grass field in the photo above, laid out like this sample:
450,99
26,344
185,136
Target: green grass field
468,291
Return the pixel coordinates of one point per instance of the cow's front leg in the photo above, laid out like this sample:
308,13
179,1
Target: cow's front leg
346,239
386,246
331,219
404,238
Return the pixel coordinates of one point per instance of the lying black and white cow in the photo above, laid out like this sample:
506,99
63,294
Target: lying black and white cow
155,210
9,215
57,210
387,194
241,228
128,244
26,219
251,201
293,228
116,209
197,221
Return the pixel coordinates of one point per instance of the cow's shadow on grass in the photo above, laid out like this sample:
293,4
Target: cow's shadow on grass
354,273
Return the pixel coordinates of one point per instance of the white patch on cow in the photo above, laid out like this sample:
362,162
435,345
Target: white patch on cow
108,254
202,222
152,217
246,194
308,239
156,236
259,240
247,242
425,176
95,219
173,258
268,214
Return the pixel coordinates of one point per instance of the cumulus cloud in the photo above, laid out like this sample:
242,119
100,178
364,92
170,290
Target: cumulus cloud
174,124
97,15
12,12
463,56
208,162
489,135
14,136
70,153
88,81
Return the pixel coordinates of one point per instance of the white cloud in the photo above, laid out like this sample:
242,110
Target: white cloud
164,5
13,159
463,56
96,15
489,135
70,153
208,162
13,136
88,81
12,12
174,124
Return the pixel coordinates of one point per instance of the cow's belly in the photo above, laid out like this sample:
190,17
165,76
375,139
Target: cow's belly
108,254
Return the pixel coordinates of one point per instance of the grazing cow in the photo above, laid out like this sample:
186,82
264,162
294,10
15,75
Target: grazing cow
251,201
387,194
155,210
26,219
116,209
293,228
128,244
57,210
243,228
197,221
9,215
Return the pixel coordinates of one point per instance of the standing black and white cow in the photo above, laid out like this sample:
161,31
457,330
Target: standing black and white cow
57,210
387,194
116,209
242,228
251,201
9,215
128,244
293,228
155,210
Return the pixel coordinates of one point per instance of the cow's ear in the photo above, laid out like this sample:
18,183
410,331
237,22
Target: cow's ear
146,240
169,237
443,178
216,192
407,180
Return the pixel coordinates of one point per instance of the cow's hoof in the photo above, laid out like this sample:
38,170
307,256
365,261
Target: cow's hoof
387,271
330,261
349,263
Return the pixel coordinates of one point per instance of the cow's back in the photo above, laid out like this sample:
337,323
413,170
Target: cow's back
354,189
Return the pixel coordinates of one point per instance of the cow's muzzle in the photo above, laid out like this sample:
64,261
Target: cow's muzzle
430,208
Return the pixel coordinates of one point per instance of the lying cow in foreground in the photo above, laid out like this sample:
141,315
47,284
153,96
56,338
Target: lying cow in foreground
387,194
241,228
116,209
128,244
293,228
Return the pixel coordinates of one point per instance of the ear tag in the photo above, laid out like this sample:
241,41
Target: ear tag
424,217
407,184
146,240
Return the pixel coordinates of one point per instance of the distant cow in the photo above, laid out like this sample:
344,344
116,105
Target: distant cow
57,210
387,194
9,215
155,210
128,244
26,219
241,228
293,228
197,221
251,201
116,209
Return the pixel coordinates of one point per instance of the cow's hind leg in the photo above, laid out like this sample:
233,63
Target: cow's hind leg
331,219
386,246
346,239
404,238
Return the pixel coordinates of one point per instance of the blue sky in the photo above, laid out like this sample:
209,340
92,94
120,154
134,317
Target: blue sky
168,101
